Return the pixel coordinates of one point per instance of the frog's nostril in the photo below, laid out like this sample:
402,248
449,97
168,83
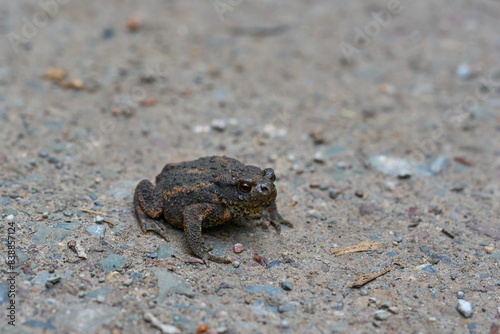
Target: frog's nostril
263,189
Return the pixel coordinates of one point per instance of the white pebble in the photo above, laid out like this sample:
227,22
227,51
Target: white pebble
465,308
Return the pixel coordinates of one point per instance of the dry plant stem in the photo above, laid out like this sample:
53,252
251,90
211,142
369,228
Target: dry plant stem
106,220
365,278
363,246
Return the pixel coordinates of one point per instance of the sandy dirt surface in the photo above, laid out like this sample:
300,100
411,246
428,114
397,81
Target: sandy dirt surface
381,121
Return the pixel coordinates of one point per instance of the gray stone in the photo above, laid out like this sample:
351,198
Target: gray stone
460,294
381,315
495,255
112,262
465,308
334,193
21,256
271,291
41,278
286,285
55,217
286,308
98,292
128,282
85,320
97,230
433,255
430,269
169,283
438,164
67,226
6,201
48,234
33,323
4,292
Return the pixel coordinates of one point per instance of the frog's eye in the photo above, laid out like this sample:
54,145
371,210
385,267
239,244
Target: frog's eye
245,187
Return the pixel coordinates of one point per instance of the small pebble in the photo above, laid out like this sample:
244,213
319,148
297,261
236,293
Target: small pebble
393,310
218,124
465,308
68,213
236,264
238,248
384,306
101,279
314,185
128,282
453,276
145,130
107,33
45,215
318,157
43,154
334,193
323,187
286,285
372,300
100,299
381,315
54,279
81,294
153,255
99,220
97,230
10,217
460,294
359,193
341,165
398,239
363,293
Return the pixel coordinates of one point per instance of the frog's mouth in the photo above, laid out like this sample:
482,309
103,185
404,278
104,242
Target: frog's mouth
260,205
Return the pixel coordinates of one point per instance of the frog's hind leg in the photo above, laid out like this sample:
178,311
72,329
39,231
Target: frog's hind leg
148,206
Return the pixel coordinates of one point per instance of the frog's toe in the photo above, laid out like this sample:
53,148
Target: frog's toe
156,226
219,259
286,223
277,224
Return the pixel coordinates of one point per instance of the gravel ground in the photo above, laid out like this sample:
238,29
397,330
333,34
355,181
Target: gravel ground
381,121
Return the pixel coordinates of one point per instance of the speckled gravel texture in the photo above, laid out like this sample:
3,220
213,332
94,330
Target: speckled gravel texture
327,93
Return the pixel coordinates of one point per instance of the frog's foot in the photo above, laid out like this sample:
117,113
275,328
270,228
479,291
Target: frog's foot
156,226
216,258
146,209
277,224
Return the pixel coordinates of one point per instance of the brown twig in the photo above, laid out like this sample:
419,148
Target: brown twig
365,278
94,212
448,233
363,246
109,221
106,220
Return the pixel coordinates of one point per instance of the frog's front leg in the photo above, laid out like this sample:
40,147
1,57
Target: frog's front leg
194,216
274,217
148,204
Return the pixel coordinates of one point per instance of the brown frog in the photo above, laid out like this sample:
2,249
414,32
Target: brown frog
204,193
